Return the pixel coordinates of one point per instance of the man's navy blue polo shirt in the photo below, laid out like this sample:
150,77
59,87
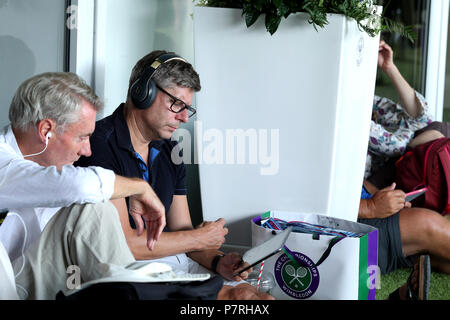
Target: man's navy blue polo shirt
112,149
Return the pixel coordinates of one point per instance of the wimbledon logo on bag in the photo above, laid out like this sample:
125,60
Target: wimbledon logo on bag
298,279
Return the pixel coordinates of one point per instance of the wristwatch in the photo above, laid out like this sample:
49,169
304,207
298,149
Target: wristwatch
215,262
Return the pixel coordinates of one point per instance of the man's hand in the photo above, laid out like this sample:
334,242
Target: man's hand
148,206
387,202
231,263
211,235
243,291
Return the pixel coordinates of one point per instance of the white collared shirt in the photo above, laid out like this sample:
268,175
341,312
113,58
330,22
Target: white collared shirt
8,285
33,193
26,184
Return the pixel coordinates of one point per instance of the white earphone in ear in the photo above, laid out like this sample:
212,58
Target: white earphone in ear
47,136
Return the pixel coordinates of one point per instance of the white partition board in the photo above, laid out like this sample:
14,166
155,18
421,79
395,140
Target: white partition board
300,101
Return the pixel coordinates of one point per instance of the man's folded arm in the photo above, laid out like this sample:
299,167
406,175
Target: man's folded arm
25,184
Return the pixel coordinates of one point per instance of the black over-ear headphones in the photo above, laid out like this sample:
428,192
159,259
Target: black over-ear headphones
143,90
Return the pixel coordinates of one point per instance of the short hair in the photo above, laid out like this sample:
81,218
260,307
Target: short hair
53,95
174,73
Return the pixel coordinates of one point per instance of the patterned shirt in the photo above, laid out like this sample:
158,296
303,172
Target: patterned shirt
391,130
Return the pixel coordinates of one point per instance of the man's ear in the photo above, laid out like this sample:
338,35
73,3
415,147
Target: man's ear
45,128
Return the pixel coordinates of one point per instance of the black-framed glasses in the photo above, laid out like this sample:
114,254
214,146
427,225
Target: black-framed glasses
178,105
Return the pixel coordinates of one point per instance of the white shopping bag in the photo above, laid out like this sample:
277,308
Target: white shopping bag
332,268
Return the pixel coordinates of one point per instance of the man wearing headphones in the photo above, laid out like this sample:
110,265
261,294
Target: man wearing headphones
135,142
52,117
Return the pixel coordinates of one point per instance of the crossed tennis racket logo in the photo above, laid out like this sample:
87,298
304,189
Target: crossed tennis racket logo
297,274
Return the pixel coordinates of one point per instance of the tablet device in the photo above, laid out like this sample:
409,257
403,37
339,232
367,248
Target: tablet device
265,250
414,194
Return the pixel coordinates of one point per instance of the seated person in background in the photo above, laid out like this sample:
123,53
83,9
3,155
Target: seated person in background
386,174
52,116
393,125
404,232
135,142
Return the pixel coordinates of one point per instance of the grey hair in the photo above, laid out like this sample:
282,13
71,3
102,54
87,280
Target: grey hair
52,95
174,73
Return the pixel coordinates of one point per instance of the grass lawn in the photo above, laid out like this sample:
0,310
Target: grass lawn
439,287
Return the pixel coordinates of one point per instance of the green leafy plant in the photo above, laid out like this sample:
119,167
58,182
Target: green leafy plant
363,11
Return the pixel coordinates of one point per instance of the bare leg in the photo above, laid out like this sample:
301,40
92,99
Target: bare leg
440,264
424,230
425,137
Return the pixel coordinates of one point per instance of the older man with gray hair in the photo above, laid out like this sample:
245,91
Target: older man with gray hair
52,117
